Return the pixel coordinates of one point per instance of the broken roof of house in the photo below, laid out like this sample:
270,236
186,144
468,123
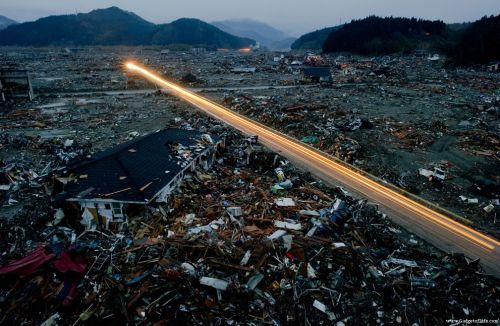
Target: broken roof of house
317,71
136,170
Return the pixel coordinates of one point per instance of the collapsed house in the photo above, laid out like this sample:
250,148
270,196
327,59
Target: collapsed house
317,74
139,172
295,67
15,84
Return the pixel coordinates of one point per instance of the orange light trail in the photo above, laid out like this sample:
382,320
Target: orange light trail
314,156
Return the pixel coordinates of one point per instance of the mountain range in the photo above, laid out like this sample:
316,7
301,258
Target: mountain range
114,26
313,40
6,22
266,35
467,43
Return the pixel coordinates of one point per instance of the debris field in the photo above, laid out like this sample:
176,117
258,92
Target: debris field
249,239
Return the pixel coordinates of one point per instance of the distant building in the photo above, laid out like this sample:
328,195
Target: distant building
434,57
15,84
365,63
493,66
296,67
273,65
314,60
317,74
349,71
139,172
279,59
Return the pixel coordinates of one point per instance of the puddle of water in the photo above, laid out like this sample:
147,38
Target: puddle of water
52,111
50,79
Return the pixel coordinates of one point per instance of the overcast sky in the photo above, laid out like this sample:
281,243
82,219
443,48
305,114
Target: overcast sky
293,16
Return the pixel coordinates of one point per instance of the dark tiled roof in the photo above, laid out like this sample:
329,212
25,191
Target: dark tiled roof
146,163
317,72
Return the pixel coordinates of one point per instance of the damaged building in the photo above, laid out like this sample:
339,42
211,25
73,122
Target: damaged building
317,74
15,84
139,172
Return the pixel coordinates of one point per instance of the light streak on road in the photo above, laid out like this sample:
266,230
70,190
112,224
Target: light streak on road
391,198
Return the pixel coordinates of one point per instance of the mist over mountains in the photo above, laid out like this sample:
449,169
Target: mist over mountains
266,35
6,22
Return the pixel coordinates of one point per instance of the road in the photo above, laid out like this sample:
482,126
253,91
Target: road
410,213
194,89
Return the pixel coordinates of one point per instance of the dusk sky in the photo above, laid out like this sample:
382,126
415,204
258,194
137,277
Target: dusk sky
293,16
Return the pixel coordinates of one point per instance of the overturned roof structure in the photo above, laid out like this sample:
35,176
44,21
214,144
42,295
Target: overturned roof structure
138,170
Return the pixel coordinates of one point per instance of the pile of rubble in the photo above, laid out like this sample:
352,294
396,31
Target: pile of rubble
252,240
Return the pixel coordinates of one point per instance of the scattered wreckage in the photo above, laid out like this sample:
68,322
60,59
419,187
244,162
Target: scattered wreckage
249,239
